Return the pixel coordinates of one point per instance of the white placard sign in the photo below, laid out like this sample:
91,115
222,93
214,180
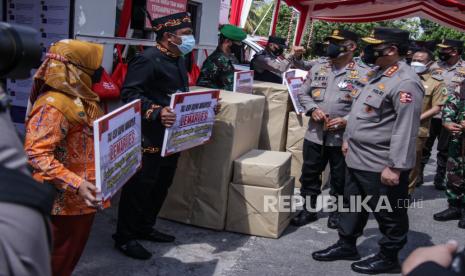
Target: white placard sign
243,81
118,152
293,86
195,117
287,75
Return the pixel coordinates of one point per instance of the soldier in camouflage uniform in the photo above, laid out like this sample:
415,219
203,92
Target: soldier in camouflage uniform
218,70
453,117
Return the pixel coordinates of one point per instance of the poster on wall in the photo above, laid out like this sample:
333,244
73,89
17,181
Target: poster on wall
195,117
51,18
160,8
118,152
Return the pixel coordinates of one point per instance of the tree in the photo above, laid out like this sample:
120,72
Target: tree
434,31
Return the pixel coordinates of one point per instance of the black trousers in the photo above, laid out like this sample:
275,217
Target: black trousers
314,163
143,196
393,223
437,131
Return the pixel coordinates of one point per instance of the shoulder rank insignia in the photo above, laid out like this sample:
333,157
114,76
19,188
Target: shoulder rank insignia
353,74
389,72
461,70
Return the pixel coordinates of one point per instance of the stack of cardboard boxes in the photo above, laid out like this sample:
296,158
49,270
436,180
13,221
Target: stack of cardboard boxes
260,196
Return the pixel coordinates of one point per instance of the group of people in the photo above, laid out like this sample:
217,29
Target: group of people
374,119
371,120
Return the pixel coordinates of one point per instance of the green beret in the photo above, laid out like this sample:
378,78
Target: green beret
232,32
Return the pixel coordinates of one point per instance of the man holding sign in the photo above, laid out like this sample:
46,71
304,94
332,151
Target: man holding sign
153,77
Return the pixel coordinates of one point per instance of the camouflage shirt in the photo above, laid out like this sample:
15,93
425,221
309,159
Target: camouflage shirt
217,71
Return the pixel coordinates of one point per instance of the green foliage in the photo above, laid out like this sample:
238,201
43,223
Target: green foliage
432,31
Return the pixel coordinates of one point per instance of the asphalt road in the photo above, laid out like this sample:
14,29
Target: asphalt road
205,252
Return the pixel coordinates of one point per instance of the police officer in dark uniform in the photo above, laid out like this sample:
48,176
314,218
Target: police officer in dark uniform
270,64
450,69
379,144
327,97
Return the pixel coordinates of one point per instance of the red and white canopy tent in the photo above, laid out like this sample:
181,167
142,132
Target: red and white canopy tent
450,13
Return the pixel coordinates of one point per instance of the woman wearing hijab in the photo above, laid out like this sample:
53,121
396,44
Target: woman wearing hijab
59,143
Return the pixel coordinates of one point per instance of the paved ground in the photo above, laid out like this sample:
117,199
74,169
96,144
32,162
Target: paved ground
204,252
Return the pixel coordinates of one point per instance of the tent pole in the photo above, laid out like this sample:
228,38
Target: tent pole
274,21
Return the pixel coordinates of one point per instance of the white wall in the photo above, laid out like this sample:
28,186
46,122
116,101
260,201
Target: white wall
93,17
208,37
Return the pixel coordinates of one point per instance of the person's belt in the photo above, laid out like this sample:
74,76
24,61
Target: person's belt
151,150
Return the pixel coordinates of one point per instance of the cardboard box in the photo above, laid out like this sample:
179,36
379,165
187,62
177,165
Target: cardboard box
246,209
297,126
199,192
274,126
263,168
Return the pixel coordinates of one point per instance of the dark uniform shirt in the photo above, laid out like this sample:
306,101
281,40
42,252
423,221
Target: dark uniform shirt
153,77
268,67
217,72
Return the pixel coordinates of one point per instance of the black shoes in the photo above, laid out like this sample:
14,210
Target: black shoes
134,250
450,213
333,220
376,265
338,251
156,236
304,217
462,220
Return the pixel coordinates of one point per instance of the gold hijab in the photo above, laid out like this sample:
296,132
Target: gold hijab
67,69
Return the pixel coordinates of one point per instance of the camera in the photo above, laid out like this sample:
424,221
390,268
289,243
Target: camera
20,51
458,263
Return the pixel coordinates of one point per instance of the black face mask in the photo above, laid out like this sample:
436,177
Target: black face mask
370,55
334,50
444,56
278,51
97,76
236,50
408,60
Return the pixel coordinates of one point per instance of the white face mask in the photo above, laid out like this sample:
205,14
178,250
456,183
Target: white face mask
419,67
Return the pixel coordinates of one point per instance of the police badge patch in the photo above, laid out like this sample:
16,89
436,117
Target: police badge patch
405,97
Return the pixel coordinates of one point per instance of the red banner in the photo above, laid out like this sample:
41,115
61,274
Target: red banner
160,8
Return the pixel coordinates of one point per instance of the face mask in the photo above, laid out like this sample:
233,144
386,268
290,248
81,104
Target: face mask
97,76
334,50
444,56
236,50
370,55
187,44
418,67
409,61
278,51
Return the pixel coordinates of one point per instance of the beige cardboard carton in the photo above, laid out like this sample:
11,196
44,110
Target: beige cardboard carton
274,125
199,192
263,168
297,126
247,212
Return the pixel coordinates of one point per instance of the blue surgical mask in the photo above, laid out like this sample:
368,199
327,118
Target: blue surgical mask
187,44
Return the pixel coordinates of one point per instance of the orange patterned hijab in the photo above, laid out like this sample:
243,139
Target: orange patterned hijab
67,69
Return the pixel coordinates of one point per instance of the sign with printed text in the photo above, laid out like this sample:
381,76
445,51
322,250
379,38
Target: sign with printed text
243,81
160,8
195,117
293,86
118,152
287,75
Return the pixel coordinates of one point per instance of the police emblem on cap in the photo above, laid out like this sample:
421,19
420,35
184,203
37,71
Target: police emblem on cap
372,33
336,32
